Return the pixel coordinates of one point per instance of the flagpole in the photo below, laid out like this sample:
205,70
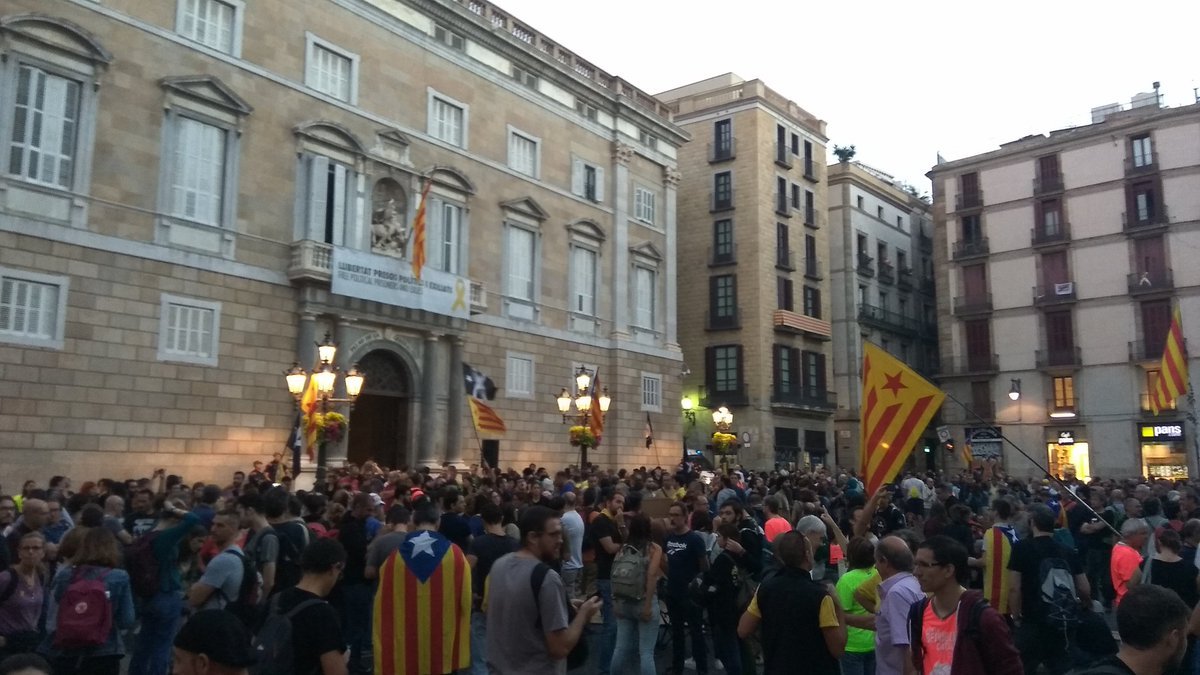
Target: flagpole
1033,461
1191,417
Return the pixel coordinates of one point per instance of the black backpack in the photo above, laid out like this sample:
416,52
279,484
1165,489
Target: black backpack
293,537
246,605
273,645
579,653
1056,588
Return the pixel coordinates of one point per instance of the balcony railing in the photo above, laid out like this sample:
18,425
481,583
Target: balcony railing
968,200
887,272
1046,235
1058,358
1047,185
886,319
904,278
726,256
722,152
781,206
970,248
785,259
310,260
1136,167
1141,350
804,397
971,364
787,321
722,202
722,321
812,269
1154,281
1053,294
783,156
1062,408
810,172
810,216
985,410
866,265
980,303
1147,410
1135,222
711,397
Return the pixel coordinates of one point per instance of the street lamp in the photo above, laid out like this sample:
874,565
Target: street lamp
1014,392
689,411
583,398
723,419
323,380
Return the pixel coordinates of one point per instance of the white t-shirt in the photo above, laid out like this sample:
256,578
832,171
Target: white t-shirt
572,524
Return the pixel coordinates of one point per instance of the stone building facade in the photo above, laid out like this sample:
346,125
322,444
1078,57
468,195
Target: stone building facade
754,300
189,190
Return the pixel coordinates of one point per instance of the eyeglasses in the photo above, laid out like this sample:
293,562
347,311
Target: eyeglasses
926,565
31,548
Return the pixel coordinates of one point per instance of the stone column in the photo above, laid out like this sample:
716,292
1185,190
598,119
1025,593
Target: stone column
454,407
622,155
671,177
306,340
426,430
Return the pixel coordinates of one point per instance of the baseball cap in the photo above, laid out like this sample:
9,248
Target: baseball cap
219,635
376,500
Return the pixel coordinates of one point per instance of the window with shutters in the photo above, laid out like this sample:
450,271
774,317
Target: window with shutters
198,172
520,279
645,298
722,300
583,280
1064,392
518,376
444,234
587,180
331,70
45,122
812,302
212,23
524,152
449,38
651,392
813,373
328,199
32,308
189,330
1156,321
1141,151
783,292
725,371
723,241
644,205
448,119
722,191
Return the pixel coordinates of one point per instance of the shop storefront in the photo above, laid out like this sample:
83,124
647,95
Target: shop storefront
1164,450
1067,453
984,443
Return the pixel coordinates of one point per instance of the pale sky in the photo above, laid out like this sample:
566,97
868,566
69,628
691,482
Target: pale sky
900,81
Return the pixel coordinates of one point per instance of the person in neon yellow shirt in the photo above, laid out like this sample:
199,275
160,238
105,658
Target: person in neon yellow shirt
859,658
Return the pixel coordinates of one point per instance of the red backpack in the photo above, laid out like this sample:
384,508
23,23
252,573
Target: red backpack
84,612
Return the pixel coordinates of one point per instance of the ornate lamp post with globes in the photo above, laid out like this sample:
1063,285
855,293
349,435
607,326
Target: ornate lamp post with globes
313,394
581,432
722,441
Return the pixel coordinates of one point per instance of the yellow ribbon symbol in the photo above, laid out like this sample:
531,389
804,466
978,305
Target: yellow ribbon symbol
460,290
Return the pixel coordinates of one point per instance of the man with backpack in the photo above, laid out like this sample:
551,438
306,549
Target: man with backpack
302,633
954,631
1153,624
292,537
213,642
153,563
262,542
221,584
1048,591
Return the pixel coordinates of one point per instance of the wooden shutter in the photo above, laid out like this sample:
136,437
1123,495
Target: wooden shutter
710,369
974,281
1054,270
577,176
1156,320
1060,337
318,196
1150,256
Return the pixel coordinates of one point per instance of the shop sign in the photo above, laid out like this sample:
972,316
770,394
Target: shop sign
1066,438
1162,432
368,276
985,442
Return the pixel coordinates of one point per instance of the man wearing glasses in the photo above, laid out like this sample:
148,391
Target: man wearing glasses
687,558
528,625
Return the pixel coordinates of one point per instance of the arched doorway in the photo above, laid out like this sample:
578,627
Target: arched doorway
379,422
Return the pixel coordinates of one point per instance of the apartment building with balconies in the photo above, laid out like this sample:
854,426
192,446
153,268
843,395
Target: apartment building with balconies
882,286
194,192
1059,259
754,321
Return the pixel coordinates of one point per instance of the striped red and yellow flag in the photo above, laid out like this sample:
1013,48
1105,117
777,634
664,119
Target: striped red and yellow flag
308,409
968,455
997,542
487,423
422,619
418,233
1172,381
596,418
897,405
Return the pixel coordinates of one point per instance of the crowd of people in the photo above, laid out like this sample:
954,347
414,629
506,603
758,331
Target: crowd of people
528,571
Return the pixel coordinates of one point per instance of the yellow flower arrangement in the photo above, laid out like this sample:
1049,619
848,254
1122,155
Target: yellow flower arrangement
723,442
582,436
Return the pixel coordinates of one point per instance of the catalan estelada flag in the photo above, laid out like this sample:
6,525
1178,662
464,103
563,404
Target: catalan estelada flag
418,233
596,419
897,405
997,549
488,424
422,621
1172,379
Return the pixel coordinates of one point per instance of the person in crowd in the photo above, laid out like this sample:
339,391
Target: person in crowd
1153,624
607,538
687,558
954,631
997,546
454,525
355,588
800,620
719,589
775,524
859,658
898,590
388,542
58,521
638,620
22,596
221,582
35,515
574,532
212,642
1127,555
190,567
141,518
206,505
532,633
160,615
317,642
262,542
429,572
485,551
283,511
98,559
1168,569
1041,639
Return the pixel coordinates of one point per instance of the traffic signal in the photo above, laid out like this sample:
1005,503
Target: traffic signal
949,446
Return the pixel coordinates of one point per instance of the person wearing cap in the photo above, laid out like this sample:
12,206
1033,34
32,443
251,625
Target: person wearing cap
213,642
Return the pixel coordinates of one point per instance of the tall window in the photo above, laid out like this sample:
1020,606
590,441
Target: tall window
1064,392
447,121
212,23
972,231
726,368
723,298
189,330
783,292
331,70
723,190
810,210
786,362
643,205
583,281
198,172
813,373
330,199
1051,215
1141,151
1143,201
45,124
444,237
812,302
587,180
723,240
1060,336
722,139
523,153
783,250
520,254
651,393
31,308
645,295
518,381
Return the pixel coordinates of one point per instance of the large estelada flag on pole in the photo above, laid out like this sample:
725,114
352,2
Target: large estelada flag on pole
418,233
596,418
1172,379
897,405
488,424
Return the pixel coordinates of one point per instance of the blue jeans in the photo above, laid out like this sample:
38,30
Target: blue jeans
608,634
160,620
633,634
479,643
858,663
356,622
